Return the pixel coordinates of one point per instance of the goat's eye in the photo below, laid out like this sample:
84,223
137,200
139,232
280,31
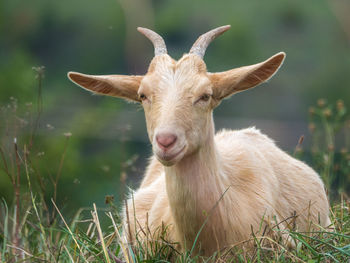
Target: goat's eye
204,97
142,97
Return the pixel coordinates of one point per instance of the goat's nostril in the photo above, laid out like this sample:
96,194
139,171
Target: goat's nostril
166,140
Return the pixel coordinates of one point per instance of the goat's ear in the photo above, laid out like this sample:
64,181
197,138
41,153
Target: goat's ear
235,80
121,86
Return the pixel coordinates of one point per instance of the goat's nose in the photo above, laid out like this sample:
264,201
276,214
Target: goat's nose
166,140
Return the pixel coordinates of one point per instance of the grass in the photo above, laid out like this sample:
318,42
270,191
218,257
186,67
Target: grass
33,228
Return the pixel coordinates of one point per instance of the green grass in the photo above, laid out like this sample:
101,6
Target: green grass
33,228
83,240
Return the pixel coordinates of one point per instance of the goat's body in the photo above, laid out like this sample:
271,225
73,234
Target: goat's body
249,179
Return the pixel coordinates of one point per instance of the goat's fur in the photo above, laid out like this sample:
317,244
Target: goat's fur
232,182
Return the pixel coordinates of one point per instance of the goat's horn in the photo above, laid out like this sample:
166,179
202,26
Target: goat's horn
204,40
156,39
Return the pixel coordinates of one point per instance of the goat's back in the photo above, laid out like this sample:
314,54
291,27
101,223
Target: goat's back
288,185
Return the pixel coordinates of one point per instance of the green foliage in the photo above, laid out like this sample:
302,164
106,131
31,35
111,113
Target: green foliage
45,143
330,134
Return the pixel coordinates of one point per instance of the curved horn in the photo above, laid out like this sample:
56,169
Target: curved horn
204,40
157,40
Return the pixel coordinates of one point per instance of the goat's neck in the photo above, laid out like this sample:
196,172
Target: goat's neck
194,187
198,168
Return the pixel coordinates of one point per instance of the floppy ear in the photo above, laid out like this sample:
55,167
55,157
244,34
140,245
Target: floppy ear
235,80
121,86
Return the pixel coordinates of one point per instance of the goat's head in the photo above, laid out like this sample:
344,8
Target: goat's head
178,97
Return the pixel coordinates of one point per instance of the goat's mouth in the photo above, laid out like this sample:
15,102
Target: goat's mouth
169,159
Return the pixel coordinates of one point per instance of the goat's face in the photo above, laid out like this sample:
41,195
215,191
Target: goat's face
177,100
178,96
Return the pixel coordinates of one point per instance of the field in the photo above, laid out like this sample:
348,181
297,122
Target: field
34,229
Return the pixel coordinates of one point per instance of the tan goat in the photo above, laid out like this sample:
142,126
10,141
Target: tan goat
229,182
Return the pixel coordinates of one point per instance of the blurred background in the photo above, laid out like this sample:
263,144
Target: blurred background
109,141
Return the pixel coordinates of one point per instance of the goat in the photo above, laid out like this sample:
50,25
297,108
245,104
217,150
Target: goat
220,186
